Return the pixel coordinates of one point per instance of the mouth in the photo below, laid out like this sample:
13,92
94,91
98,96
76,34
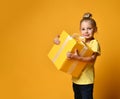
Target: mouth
86,35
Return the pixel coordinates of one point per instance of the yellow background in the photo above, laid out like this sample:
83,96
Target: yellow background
27,29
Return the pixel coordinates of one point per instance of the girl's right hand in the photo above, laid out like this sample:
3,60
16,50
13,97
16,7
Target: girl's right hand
56,40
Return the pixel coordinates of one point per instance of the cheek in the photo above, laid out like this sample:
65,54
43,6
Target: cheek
81,32
92,34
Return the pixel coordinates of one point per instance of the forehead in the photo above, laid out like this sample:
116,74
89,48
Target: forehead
86,23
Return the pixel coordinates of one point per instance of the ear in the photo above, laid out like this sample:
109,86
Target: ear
95,29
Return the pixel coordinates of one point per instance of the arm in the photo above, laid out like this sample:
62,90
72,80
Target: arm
88,59
82,58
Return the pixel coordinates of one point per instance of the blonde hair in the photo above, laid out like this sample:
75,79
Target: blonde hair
88,17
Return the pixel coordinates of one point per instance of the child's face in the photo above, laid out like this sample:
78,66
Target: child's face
87,30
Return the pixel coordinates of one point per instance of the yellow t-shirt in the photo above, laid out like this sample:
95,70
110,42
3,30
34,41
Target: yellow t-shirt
87,76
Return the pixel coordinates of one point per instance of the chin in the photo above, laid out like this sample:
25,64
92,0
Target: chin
87,37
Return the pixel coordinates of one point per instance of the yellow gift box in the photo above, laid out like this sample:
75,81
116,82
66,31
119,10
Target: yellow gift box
68,44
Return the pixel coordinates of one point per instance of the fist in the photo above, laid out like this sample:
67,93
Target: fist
69,55
56,40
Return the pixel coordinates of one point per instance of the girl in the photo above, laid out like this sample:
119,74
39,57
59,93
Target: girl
83,86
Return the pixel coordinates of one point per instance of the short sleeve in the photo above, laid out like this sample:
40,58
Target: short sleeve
95,46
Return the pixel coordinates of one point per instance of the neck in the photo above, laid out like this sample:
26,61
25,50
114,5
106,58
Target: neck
88,40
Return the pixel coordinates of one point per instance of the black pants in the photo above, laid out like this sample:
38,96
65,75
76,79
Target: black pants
83,91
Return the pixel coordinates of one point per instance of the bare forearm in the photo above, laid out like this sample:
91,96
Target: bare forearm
84,59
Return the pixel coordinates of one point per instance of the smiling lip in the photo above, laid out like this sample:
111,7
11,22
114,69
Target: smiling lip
86,35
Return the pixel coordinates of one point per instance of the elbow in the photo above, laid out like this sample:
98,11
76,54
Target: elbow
92,59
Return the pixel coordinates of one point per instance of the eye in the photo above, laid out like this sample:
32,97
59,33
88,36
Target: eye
83,29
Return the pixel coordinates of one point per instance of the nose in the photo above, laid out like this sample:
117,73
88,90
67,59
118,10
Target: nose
86,31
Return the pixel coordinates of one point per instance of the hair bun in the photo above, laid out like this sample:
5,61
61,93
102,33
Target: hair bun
87,15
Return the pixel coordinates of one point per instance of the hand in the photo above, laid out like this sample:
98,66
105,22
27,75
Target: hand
74,55
56,40
69,55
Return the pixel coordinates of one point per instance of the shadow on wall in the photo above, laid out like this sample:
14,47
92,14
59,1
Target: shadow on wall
109,81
